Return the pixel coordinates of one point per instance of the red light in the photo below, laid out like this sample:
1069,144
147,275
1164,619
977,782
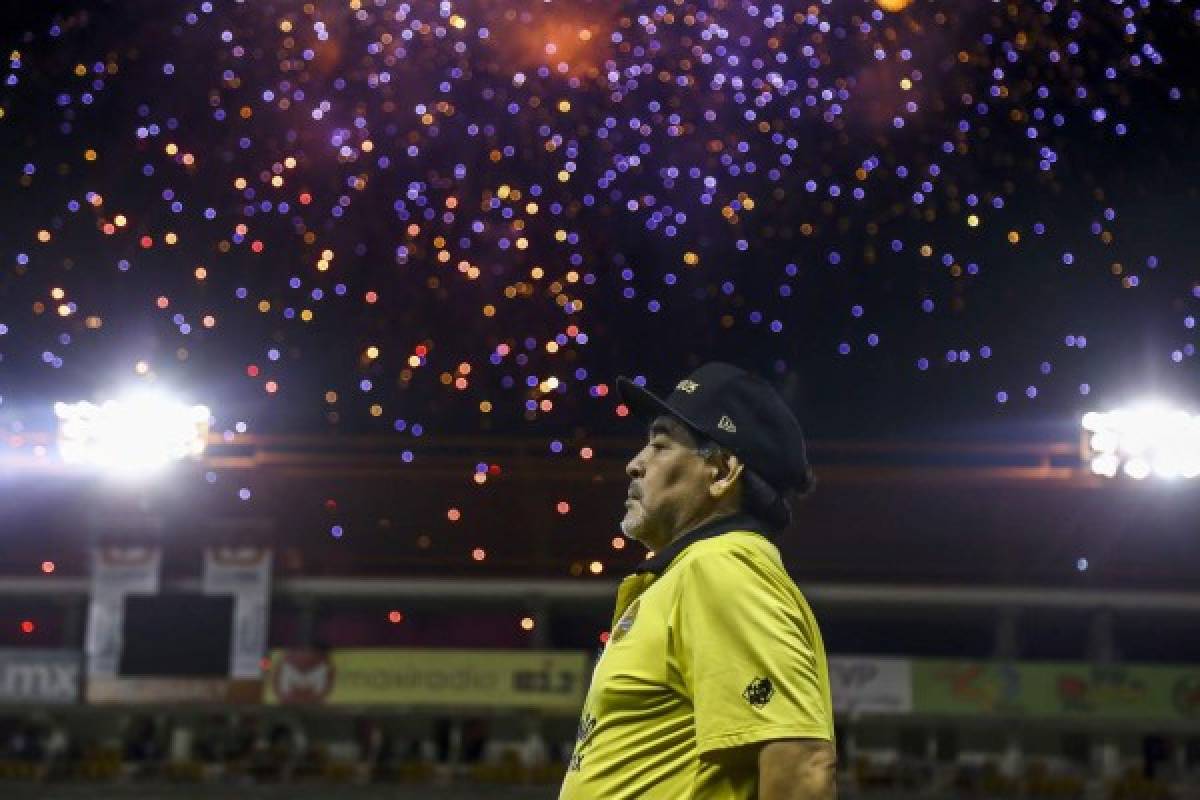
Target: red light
395,617
622,410
563,507
372,296
47,567
27,626
257,246
421,350
252,371
147,242
603,637
305,198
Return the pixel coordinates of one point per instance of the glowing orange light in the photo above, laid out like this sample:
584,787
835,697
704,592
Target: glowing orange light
47,567
395,617
479,554
454,515
563,507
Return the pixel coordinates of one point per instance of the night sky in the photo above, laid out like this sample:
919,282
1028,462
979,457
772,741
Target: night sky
933,219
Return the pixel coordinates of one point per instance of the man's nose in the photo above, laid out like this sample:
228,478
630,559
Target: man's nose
634,468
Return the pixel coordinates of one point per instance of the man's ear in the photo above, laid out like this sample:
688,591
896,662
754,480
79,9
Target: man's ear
726,474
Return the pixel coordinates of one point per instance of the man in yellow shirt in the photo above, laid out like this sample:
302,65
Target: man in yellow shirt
714,683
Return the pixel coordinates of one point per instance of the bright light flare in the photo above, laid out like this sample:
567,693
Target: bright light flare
1149,439
132,436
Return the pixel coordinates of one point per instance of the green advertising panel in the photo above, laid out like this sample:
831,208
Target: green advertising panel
533,679
1071,691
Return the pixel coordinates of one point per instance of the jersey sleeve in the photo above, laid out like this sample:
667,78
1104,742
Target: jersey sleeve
749,654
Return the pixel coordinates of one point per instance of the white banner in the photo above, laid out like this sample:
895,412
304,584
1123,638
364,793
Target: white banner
38,676
871,685
116,572
245,573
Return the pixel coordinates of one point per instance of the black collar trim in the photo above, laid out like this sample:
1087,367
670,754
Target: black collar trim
737,522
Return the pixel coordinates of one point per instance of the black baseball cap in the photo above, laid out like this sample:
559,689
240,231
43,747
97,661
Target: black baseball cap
739,411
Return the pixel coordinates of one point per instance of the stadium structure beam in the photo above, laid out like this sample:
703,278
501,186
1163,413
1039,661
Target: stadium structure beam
827,594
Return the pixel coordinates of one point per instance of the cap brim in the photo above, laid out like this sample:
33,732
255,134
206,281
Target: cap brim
642,403
646,405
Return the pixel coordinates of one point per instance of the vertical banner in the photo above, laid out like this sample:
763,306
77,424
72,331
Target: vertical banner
116,572
245,573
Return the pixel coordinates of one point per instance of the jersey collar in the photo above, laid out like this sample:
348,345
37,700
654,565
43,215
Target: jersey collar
735,522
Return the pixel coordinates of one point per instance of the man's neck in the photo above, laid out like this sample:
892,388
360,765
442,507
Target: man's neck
710,516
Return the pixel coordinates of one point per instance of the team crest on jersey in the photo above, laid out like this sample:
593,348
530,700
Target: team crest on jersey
759,692
625,623
687,386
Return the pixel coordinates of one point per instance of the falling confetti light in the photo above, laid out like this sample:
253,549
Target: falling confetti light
405,217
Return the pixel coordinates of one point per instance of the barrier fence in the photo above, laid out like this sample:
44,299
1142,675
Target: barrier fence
555,682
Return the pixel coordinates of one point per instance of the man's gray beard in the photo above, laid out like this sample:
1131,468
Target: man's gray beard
629,526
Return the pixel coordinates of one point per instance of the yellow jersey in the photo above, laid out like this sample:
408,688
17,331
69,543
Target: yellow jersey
713,647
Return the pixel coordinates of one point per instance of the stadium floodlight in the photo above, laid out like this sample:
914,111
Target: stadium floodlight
132,436
1148,439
